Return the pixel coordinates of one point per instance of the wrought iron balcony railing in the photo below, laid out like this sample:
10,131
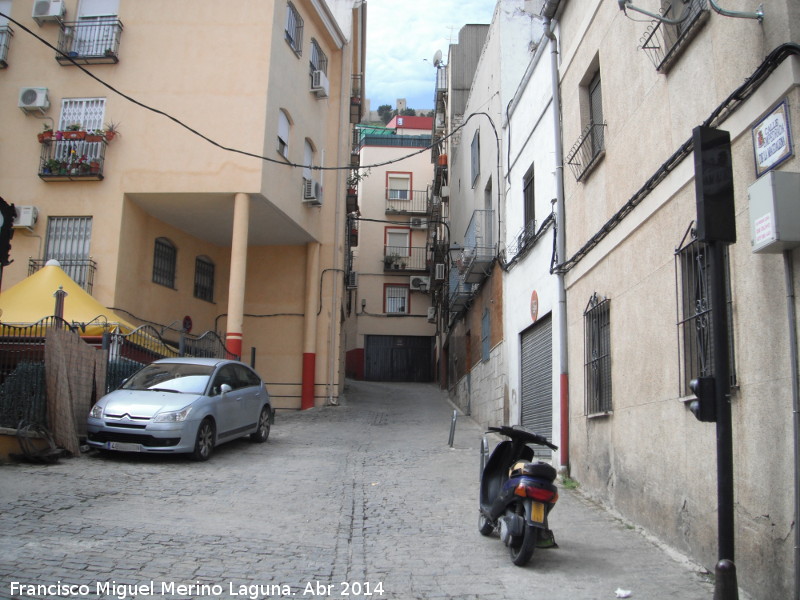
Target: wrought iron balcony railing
479,250
72,160
5,37
587,151
407,202
664,42
459,291
403,258
81,270
89,41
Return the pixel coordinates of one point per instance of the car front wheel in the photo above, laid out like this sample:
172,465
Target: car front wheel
204,444
261,434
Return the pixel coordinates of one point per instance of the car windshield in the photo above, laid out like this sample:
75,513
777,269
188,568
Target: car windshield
173,377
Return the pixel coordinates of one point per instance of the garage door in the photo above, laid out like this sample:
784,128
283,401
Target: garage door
537,380
398,358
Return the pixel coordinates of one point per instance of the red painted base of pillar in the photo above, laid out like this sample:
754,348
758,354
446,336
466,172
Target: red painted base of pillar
233,344
564,446
309,370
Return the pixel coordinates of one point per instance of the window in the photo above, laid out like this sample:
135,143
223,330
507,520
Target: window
664,42
294,29
164,260
528,197
486,332
398,242
596,114
694,326
475,156
308,161
284,126
398,186
87,115
597,350
590,147
68,242
395,299
204,278
319,61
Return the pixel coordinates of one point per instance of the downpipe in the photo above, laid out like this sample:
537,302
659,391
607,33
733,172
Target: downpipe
788,268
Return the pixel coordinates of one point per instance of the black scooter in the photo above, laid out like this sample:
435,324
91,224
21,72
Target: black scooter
517,494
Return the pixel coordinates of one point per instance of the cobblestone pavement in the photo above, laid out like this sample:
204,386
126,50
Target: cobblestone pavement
362,500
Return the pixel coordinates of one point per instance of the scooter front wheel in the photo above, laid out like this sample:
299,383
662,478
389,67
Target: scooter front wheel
485,525
522,546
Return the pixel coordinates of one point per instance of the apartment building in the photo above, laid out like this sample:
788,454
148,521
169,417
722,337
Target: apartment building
218,205
389,330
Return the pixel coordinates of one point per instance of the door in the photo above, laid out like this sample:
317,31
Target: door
536,387
398,358
96,29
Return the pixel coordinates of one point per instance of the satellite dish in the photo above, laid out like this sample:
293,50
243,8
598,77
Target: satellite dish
437,59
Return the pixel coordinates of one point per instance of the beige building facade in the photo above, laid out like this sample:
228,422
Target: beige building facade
219,205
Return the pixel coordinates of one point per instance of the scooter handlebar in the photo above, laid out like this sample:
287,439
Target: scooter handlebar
523,435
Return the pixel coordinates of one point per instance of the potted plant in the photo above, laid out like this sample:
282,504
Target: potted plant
74,132
353,180
95,135
390,261
112,130
51,166
46,135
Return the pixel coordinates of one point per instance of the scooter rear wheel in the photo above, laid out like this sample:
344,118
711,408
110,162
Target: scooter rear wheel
522,546
485,525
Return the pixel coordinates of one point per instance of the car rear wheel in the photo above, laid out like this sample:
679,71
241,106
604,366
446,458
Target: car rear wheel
262,433
204,444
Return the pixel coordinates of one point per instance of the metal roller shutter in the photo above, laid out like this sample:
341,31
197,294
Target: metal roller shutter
537,380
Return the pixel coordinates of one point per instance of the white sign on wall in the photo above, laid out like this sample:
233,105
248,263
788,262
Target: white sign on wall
772,139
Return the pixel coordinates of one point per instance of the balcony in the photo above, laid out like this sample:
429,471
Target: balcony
403,258
89,41
72,160
664,42
459,291
407,202
587,151
81,270
476,258
5,38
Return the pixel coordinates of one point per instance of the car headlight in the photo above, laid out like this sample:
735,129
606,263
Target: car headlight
175,416
96,412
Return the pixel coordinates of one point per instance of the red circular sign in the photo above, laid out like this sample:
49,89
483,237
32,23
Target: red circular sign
534,305
187,324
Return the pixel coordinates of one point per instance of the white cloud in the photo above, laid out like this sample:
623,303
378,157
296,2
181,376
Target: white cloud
402,38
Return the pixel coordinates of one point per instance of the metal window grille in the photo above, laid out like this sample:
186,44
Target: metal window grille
164,260
597,349
396,299
528,197
294,29
68,241
87,114
694,313
204,279
319,60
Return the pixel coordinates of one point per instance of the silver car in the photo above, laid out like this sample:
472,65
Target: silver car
182,405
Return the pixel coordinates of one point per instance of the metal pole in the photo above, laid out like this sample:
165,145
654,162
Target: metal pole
453,428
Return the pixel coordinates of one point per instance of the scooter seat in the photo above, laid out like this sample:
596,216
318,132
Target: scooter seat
533,469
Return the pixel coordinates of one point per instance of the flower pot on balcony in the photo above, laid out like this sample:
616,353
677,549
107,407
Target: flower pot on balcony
45,136
74,135
94,167
443,160
94,137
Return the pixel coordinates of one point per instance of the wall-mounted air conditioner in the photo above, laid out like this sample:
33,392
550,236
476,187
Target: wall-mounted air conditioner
319,84
352,280
33,99
439,275
48,10
26,216
312,192
419,223
445,191
418,283
431,314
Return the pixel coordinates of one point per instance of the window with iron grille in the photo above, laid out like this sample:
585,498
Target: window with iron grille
204,278
68,241
319,61
597,352
395,299
294,29
486,334
87,114
694,322
164,260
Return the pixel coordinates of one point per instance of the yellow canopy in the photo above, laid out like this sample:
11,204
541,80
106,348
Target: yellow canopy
33,299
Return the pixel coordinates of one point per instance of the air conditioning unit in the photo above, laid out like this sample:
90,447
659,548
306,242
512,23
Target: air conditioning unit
419,223
445,191
312,192
352,280
418,283
26,216
33,99
319,84
48,10
439,275
431,314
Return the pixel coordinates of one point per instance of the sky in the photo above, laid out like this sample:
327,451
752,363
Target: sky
402,38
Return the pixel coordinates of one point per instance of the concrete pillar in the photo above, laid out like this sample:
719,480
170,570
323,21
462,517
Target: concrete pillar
236,283
310,325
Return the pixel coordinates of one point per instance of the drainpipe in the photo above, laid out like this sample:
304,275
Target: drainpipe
307,395
788,267
548,12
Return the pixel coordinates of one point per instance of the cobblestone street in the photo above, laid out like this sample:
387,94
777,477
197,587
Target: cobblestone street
362,500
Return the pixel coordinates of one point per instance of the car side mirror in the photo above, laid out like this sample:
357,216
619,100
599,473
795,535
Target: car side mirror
224,389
